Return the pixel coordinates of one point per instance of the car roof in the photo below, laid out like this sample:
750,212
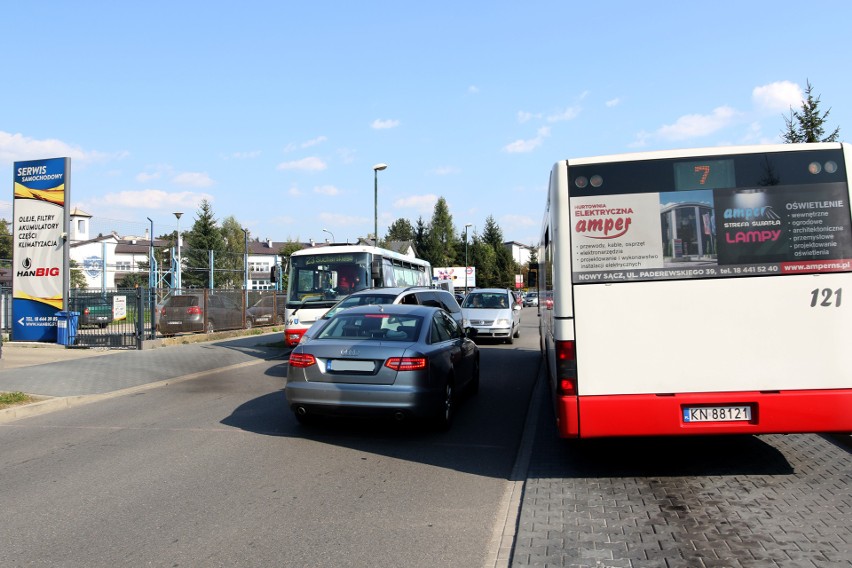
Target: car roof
400,309
491,290
392,291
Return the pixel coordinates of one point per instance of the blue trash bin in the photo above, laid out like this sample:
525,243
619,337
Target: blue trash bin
66,327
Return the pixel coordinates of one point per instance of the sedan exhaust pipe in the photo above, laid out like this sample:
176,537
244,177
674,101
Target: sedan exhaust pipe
399,416
301,410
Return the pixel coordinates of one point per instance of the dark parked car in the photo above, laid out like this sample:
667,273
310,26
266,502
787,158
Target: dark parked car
269,310
182,313
400,360
95,311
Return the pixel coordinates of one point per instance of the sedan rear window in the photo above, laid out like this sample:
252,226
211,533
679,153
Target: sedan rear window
388,327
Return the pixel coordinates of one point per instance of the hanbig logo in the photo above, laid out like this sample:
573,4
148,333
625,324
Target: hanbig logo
28,269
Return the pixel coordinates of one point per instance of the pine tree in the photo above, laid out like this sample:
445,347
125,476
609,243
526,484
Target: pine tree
441,245
204,237
504,276
808,125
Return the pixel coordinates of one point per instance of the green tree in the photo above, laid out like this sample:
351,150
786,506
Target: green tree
205,236
421,237
229,263
78,280
809,124
441,244
400,230
284,253
504,276
484,259
5,243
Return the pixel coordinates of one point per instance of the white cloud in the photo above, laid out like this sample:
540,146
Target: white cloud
524,116
193,179
696,125
17,147
420,203
613,102
156,199
569,113
145,177
314,142
446,170
516,221
473,89
326,190
778,96
338,220
310,164
524,146
243,155
295,191
379,124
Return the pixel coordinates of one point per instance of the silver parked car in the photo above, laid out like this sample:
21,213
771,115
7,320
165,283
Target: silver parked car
531,299
398,360
492,312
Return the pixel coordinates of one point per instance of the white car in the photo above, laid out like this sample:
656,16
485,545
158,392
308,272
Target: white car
493,312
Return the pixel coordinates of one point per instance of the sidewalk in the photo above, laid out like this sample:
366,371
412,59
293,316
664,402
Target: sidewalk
61,377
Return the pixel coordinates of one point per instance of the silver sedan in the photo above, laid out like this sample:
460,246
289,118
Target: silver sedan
398,360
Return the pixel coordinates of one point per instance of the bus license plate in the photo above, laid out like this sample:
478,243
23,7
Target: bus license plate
716,413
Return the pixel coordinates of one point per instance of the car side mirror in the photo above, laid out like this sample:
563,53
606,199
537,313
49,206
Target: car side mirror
471,332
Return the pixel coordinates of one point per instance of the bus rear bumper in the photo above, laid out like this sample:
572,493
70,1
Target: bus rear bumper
772,412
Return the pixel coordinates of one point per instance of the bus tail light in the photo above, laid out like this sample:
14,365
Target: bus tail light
302,360
566,368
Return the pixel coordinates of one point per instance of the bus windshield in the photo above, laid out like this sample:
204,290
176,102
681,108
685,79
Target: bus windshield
326,278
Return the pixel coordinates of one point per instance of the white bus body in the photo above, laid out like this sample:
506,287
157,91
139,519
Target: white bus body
699,291
320,276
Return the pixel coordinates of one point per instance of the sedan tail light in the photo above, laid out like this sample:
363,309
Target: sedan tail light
406,363
302,360
85,311
193,311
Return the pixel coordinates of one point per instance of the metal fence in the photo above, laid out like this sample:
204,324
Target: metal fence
126,317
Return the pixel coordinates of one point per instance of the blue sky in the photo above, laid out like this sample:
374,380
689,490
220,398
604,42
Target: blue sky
276,112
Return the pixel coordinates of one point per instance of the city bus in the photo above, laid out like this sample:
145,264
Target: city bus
319,276
703,291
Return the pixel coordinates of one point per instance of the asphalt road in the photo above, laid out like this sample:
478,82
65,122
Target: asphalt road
215,471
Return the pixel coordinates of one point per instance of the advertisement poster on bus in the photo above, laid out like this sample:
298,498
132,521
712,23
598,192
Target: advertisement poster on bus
41,190
711,233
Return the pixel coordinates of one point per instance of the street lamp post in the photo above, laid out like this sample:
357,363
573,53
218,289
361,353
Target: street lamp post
376,169
177,282
330,233
245,268
466,265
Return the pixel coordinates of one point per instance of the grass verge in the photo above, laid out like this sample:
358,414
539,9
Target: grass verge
8,399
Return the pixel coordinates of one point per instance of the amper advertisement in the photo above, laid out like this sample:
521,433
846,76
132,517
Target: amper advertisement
711,233
39,266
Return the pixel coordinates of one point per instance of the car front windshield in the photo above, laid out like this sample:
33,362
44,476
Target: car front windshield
486,300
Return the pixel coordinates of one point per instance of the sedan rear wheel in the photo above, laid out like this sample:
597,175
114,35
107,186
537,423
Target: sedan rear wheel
448,408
